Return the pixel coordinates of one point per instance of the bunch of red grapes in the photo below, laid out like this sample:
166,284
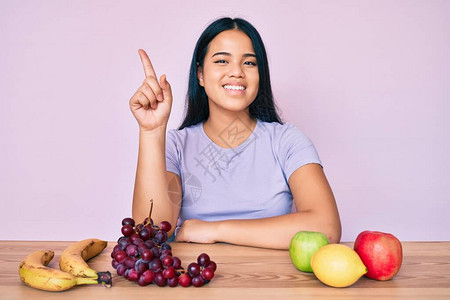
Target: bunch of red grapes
142,254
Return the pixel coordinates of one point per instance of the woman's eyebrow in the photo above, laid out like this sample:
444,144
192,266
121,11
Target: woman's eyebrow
229,54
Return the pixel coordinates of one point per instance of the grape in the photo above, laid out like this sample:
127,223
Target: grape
193,269
169,272
139,227
161,236
141,281
155,251
120,256
121,269
197,281
148,276
165,252
128,221
165,226
173,282
142,247
212,265
150,230
176,263
132,250
155,265
146,221
203,259
132,275
137,241
127,230
129,262
147,255
134,236
165,246
123,242
150,244
114,263
159,279
184,280
207,273
167,260
141,266
115,249
144,234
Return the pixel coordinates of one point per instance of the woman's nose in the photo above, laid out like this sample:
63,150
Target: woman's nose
236,71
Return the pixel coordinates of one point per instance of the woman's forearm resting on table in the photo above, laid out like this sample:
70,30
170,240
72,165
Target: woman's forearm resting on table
316,211
273,232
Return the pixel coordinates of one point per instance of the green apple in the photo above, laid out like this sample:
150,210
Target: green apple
303,246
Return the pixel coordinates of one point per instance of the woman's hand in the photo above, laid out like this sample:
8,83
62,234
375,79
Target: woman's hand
197,231
152,102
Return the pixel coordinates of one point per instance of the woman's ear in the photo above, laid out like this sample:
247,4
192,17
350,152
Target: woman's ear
200,76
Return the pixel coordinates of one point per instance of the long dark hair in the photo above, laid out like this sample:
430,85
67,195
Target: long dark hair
197,107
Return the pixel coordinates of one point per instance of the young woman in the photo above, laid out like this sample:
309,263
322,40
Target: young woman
233,170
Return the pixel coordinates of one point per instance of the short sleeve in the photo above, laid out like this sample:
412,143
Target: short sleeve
172,153
295,150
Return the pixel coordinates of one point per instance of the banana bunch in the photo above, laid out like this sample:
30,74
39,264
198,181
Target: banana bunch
33,270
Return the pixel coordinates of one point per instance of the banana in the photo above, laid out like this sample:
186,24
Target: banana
73,260
33,272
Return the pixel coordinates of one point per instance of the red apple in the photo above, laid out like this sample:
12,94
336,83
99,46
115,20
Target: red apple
380,252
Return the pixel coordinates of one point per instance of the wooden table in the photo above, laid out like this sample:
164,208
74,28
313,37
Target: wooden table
243,273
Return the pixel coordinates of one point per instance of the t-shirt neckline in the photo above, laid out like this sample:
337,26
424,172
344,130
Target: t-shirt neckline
244,144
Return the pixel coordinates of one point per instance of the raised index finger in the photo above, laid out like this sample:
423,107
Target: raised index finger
146,63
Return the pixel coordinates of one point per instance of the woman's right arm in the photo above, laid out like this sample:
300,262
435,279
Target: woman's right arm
151,105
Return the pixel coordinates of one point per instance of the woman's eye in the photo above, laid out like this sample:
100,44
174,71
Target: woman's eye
220,61
250,63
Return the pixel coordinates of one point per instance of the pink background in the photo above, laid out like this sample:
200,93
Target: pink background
367,81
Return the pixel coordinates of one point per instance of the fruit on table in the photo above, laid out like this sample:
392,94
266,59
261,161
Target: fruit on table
303,245
337,265
73,259
33,271
143,254
381,253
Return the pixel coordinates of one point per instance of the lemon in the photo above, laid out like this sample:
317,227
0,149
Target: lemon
337,265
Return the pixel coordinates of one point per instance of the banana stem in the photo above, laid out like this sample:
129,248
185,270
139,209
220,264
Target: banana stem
104,278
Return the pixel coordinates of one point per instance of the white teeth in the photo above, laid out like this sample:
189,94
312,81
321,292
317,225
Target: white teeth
234,87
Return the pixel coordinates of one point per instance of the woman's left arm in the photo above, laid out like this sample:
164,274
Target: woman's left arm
316,211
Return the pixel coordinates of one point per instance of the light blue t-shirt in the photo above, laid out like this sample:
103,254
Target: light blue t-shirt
249,181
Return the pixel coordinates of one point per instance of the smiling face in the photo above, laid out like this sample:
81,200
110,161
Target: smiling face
230,72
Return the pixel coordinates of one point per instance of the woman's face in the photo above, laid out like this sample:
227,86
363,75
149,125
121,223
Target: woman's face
230,71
